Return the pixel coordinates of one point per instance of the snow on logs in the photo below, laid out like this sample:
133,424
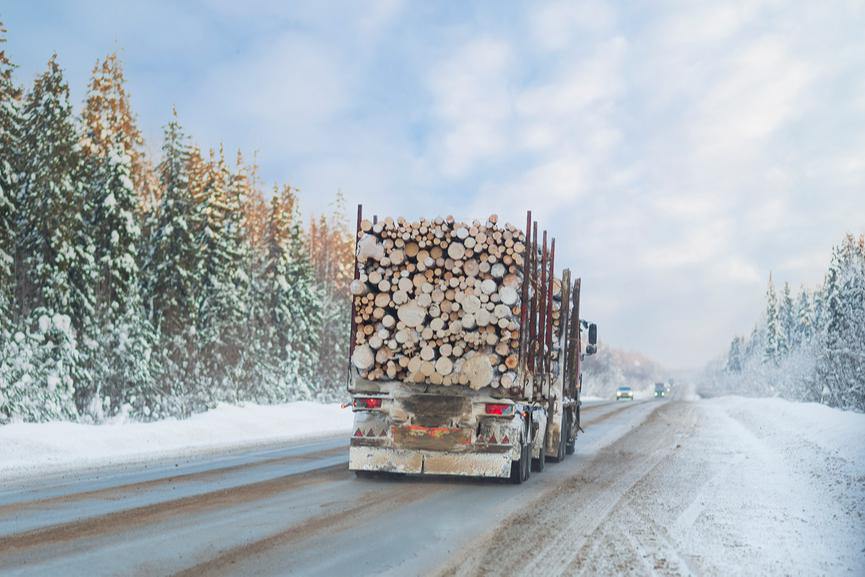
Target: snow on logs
438,301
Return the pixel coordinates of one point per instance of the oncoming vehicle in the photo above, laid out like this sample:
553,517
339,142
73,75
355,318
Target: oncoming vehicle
660,390
625,393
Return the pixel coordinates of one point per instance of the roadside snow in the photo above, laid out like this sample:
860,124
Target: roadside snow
29,449
715,487
759,487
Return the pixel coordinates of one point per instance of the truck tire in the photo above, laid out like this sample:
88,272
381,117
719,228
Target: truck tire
539,463
520,470
517,467
570,445
563,436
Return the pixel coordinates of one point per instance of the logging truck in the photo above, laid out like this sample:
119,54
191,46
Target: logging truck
465,349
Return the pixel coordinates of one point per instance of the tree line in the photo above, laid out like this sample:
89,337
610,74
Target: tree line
809,346
153,289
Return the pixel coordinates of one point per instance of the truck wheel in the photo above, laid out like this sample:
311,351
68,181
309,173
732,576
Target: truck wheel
539,463
365,474
517,467
570,445
563,436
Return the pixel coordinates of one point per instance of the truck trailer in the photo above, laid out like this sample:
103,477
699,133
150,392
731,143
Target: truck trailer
465,349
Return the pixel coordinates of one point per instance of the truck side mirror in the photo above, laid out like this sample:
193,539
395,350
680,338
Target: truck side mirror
591,349
593,334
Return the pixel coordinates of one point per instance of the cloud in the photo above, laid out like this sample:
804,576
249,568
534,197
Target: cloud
470,88
678,151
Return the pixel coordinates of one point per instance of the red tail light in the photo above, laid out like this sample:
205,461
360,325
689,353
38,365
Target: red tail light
367,403
501,409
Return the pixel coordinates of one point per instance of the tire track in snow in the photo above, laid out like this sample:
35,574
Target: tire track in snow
540,539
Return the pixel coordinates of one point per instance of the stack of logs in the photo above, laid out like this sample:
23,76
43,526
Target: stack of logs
439,301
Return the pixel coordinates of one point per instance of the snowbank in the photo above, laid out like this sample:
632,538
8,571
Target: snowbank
828,429
784,484
29,448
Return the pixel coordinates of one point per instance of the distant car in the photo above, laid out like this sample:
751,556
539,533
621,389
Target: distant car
624,393
660,390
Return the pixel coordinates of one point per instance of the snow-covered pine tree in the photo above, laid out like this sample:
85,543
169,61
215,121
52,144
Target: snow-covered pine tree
108,118
774,344
123,190
734,356
171,274
787,320
56,279
122,335
10,135
842,364
57,254
10,97
260,362
754,345
225,285
331,245
804,317
293,296
818,308
40,380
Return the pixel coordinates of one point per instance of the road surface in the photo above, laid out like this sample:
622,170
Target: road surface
618,506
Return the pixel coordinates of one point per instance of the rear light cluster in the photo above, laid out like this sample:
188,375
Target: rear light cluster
366,403
500,409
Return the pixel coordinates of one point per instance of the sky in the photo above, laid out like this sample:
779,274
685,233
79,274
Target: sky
678,151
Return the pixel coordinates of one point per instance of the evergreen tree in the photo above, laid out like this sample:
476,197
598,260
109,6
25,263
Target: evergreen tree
265,375
40,383
842,363
172,265
109,122
171,276
804,317
58,255
10,161
787,319
734,357
122,333
225,285
294,300
56,274
774,345
818,314
331,245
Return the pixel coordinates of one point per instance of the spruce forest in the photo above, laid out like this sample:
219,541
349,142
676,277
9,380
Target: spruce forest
143,289
808,346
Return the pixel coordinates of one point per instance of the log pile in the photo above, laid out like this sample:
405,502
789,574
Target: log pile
440,302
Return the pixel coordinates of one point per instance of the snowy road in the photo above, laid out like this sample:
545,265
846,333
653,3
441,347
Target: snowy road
656,487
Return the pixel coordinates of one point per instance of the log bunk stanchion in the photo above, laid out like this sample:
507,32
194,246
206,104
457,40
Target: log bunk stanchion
575,367
356,276
549,332
542,316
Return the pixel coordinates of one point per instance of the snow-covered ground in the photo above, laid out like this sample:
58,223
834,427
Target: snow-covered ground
717,487
753,487
27,448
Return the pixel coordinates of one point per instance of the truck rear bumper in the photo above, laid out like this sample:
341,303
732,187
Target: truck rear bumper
416,461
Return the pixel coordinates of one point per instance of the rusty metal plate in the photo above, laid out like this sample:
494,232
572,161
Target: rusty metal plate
437,410
432,438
